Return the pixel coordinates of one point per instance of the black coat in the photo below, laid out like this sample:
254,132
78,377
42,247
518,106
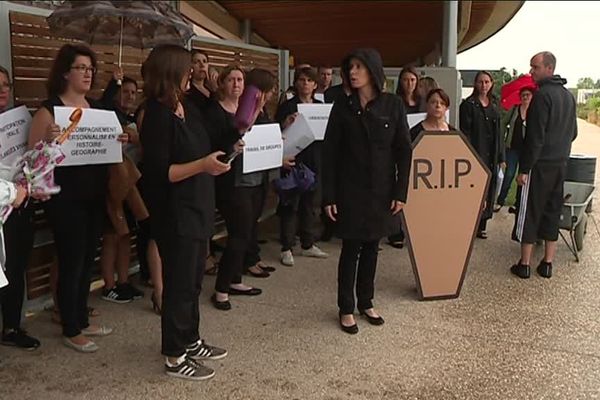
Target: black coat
362,151
481,125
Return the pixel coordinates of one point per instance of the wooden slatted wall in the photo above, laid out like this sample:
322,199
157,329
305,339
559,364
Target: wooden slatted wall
33,49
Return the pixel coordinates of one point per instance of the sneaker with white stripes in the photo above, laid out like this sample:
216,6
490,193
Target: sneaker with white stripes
189,369
116,295
200,351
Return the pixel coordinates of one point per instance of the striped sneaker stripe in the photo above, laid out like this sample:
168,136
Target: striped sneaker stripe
523,210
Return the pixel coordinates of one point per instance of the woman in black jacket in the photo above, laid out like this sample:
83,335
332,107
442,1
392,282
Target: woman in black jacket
178,190
480,122
299,208
366,164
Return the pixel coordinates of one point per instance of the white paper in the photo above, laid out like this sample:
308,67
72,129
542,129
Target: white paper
415,118
14,132
263,149
317,116
3,280
499,182
94,140
297,136
320,97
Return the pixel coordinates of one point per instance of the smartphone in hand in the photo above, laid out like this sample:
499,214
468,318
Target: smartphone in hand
228,158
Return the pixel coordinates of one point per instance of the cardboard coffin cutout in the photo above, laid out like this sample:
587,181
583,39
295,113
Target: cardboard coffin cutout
446,195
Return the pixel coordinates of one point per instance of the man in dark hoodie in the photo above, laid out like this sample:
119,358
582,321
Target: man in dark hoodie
551,128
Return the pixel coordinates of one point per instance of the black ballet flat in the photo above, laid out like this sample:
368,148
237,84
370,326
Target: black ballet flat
352,329
250,292
220,305
372,320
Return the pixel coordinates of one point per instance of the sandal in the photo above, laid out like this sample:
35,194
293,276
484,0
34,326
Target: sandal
92,312
212,270
261,274
397,244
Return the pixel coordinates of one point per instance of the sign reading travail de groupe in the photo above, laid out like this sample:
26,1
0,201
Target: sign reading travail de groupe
263,149
94,136
14,131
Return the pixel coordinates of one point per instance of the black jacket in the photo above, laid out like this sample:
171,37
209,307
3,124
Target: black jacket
551,125
184,208
335,93
481,125
366,161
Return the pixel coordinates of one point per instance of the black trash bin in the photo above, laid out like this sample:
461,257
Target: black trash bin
582,168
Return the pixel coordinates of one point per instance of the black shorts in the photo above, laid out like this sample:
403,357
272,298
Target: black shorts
541,203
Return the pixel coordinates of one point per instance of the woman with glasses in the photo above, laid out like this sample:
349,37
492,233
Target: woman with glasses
77,212
18,242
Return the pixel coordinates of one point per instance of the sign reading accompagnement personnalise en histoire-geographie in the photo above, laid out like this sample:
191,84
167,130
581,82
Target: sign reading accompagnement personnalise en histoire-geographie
446,194
14,132
263,148
93,139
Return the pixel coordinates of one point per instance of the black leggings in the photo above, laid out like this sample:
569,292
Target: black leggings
18,243
77,226
361,256
241,211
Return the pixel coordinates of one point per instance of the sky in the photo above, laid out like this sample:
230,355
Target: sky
569,29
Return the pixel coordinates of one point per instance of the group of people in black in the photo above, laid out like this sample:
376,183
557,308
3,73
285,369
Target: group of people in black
174,176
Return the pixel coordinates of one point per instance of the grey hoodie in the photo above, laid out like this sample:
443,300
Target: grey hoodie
551,125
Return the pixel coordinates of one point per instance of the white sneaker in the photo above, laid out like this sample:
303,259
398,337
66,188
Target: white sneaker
287,258
315,252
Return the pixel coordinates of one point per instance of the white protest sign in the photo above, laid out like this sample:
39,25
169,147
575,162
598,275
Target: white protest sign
317,116
263,149
297,136
94,136
415,118
14,132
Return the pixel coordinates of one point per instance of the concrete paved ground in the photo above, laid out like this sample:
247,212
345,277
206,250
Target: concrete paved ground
503,338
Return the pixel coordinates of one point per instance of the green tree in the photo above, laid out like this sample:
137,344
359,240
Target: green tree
585,83
597,84
500,78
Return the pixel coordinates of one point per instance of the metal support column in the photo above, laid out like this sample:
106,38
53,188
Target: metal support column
246,30
450,33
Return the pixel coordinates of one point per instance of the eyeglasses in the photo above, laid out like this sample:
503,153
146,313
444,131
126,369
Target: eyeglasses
82,69
5,86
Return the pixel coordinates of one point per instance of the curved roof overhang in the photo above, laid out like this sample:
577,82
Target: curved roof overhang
322,32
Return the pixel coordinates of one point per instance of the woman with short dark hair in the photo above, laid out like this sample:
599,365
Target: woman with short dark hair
77,213
178,174
437,103
366,164
298,209
480,122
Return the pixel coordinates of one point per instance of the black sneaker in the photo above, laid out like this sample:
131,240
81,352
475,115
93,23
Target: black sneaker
190,369
545,269
19,338
201,351
520,270
117,295
130,290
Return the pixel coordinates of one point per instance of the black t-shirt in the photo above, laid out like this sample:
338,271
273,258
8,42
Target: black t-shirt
198,98
81,182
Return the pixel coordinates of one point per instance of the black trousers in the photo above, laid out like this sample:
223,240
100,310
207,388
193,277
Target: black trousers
297,211
357,264
241,211
18,243
183,260
77,226
252,256
141,243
